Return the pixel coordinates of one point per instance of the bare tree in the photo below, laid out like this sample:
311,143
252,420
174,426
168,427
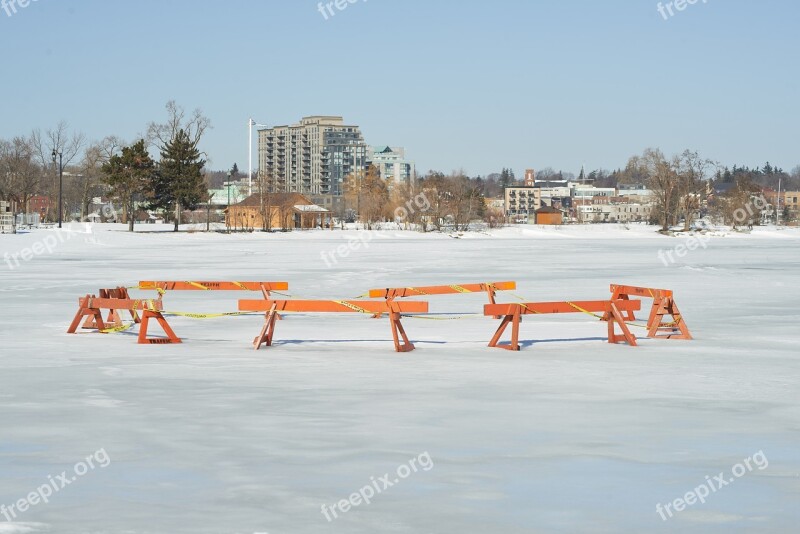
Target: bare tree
20,175
178,124
663,180
195,125
58,140
691,175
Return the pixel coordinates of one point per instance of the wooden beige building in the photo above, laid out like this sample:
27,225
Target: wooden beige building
277,211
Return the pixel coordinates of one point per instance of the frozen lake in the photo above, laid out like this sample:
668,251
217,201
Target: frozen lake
570,434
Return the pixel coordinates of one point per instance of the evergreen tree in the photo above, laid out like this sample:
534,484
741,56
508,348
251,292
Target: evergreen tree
128,175
179,182
505,178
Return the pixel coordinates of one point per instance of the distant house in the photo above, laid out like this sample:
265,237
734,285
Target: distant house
6,218
549,215
277,211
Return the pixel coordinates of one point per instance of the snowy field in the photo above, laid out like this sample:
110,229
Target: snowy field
569,435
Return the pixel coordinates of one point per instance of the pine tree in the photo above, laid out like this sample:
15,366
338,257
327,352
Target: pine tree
179,182
128,175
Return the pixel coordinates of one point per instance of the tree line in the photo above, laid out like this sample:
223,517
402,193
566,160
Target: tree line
110,167
684,185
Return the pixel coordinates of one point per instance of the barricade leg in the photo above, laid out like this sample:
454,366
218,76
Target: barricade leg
657,328
397,328
268,296
93,315
514,320
619,295
144,340
268,330
615,318
91,323
490,290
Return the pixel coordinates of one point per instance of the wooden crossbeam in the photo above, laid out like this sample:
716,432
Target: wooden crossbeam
512,314
124,304
649,292
394,309
213,286
404,292
335,306
535,308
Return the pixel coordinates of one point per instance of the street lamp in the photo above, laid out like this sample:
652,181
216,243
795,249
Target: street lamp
250,124
228,187
60,181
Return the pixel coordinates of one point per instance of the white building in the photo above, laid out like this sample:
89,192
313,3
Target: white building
391,163
589,191
637,190
614,213
6,218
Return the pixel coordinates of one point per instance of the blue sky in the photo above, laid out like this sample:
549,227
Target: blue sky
472,84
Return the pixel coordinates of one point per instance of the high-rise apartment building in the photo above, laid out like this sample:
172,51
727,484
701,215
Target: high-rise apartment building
313,157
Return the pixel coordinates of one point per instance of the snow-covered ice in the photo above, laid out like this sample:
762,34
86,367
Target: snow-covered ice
570,434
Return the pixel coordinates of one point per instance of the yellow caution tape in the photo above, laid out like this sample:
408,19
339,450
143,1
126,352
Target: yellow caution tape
421,292
443,318
353,307
116,329
191,315
198,286
460,289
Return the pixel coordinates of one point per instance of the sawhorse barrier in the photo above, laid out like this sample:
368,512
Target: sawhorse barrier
120,294
394,309
512,314
663,305
490,288
91,306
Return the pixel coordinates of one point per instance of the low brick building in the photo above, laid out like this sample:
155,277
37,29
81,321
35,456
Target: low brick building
549,215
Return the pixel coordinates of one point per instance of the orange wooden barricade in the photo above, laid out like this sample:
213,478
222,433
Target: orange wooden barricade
490,288
113,318
91,306
663,305
394,309
512,313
